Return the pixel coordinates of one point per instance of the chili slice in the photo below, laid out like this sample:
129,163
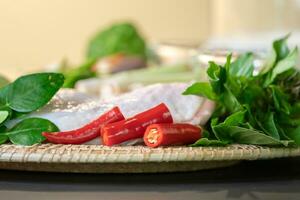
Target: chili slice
171,134
135,126
87,132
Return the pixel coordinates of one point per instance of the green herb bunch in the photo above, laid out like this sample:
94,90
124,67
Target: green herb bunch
24,95
262,109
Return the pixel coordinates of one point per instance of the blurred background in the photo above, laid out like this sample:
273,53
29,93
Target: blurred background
36,33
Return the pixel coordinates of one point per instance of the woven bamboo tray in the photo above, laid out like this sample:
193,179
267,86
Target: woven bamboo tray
131,159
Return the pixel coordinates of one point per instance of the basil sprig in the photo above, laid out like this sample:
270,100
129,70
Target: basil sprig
26,94
261,109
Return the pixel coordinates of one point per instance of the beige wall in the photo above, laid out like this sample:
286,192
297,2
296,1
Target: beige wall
246,16
34,33
37,32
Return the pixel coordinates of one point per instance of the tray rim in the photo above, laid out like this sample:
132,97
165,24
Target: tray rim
54,153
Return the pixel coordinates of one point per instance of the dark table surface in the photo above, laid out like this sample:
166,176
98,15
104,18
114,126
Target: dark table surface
265,179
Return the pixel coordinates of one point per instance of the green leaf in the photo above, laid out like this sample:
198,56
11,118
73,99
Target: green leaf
3,136
295,135
242,66
30,92
119,38
290,61
227,65
282,133
201,89
235,118
205,133
208,142
279,51
3,115
84,71
260,109
269,126
217,77
242,135
3,95
280,100
251,93
230,101
29,131
281,48
288,120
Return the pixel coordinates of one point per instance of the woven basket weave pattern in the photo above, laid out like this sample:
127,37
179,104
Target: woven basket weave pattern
51,153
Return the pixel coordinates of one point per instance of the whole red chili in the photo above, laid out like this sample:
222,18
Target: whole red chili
171,134
87,132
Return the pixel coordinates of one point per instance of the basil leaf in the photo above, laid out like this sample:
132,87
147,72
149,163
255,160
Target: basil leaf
281,48
242,66
208,142
229,100
217,77
3,136
3,115
282,133
251,93
30,92
283,65
119,38
279,51
235,118
261,109
295,135
3,95
84,71
280,100
29,131
228,62
201,89
269,127
242,135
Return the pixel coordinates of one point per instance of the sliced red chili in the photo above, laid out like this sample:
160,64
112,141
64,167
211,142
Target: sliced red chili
171,134
87,132
135,127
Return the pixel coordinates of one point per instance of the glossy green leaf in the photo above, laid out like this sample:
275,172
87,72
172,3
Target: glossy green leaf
269,126
258,110
30,92
3,136
279,51
295,135
217,77
29,131
280,100
119,38
242,66
201,89
75,74
227,65
230,101
242,135
3,115
235,118
290,61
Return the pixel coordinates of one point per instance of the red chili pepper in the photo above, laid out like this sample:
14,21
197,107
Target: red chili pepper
87,132
171,134
135,127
